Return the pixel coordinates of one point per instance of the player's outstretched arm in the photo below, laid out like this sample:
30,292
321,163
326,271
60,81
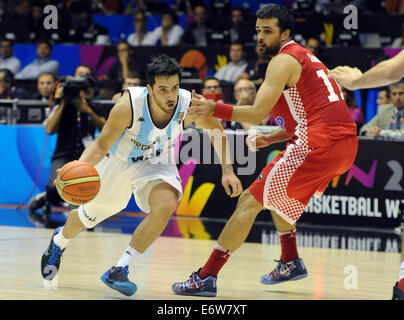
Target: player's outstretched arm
256,141
384,73
217,135
281,71
119,118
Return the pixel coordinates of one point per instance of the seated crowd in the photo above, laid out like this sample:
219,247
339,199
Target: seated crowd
76,114
236,71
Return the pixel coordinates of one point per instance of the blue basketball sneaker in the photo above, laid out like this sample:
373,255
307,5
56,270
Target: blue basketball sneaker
117,279
195,286
283,272
397,293
50,261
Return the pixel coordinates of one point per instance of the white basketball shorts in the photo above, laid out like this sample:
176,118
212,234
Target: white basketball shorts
119,180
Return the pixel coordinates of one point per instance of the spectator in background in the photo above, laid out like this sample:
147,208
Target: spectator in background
356,112
186,6
83,29
211,85
45,84
169,33
7,88
383,96
7,60
313,44
119,70
44,63
103,93
198,32
237,29
237,18
256,70
109,6
17,23
237,65
37,18
82,70
132,80
213,90
141,36
244,93
145,5
389,120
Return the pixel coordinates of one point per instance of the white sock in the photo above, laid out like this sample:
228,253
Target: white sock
401,273
286,232
60,240
219,247
127,257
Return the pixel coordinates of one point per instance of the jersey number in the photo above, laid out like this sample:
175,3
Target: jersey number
333,96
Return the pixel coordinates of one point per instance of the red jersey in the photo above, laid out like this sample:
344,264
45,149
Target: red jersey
313,111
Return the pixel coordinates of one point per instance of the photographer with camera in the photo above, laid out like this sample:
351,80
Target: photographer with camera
75,122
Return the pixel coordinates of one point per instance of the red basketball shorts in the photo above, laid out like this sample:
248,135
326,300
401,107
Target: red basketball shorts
289,181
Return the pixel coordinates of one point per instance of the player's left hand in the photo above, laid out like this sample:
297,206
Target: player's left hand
346,76
201,107
231,184
56,181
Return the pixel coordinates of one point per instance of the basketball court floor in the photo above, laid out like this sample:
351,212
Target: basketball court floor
342,265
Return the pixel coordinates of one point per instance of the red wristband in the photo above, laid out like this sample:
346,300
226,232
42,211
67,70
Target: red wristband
223,111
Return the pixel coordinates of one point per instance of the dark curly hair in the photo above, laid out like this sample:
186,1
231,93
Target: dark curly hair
161,65
284,15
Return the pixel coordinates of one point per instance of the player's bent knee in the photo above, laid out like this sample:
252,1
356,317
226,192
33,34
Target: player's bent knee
247,202
86,219
87,224
165,208
247,206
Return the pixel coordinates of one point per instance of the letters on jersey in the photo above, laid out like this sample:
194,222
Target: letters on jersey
313,111
143,140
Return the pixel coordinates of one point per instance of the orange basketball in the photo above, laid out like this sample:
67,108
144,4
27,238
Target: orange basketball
78,182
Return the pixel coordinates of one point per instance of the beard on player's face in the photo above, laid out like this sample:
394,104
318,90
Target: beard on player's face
270,50
166,106
165,92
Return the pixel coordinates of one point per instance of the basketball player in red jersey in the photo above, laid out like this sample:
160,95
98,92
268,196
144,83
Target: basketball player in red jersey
311,113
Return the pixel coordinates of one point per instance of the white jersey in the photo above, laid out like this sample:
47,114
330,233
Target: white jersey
143,140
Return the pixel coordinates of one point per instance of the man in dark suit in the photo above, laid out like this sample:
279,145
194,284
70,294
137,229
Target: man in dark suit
389,120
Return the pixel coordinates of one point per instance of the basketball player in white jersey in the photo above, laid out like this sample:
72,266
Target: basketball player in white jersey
131,155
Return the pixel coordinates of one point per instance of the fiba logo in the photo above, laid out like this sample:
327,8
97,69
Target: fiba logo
51,20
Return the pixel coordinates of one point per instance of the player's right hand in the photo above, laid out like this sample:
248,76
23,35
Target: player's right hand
346,76
200,107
